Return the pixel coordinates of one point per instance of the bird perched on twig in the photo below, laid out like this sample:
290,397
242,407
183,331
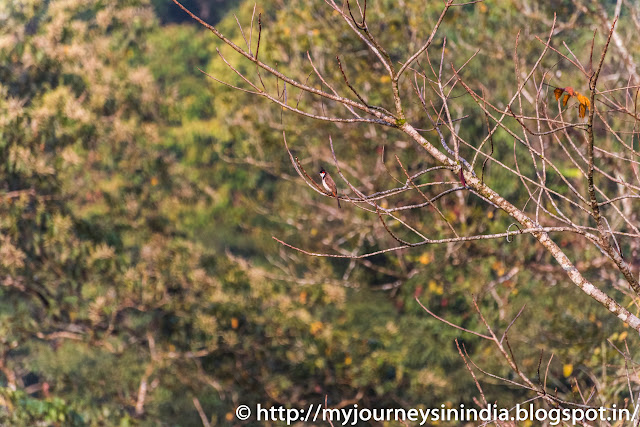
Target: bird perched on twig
329,185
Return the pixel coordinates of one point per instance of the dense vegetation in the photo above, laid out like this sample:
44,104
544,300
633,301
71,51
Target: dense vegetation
138,202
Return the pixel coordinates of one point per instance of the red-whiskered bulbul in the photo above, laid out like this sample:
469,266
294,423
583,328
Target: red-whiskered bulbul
329,185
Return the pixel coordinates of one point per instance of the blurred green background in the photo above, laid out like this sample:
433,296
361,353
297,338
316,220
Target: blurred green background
138,201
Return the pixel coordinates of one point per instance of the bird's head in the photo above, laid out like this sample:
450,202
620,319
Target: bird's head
323,172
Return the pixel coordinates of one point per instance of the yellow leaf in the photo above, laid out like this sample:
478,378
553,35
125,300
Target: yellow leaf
425,258
303,297
385,79
565,100
581,110
435,288
228,416
583,100
584,104
622,336
567,370
498,267
154,181
315,327
347,360
234,323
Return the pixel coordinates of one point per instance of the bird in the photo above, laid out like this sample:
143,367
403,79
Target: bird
329,185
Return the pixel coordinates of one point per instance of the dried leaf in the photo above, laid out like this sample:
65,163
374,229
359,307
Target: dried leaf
583,99
584,104
558,92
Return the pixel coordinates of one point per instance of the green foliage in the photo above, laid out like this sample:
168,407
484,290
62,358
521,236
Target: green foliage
139,200
20,409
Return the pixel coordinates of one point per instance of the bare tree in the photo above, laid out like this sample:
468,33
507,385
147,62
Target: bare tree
596,202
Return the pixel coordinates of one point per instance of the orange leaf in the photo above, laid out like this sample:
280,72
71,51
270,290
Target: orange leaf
570,90
581,110
558,92
584,104
583,100
565,99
